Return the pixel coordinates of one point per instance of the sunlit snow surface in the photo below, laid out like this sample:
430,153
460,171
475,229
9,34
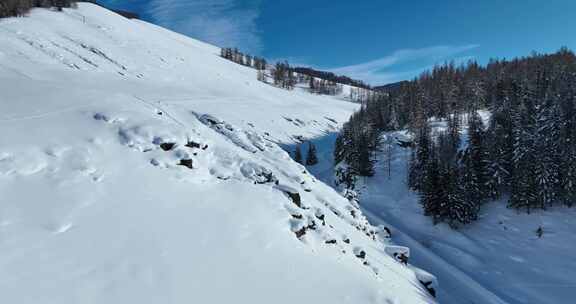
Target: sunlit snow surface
497,259
93,209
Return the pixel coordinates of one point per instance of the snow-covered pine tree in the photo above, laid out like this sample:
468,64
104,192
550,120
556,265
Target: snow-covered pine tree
458,209
432,194
567,130
420,158
475,161
500,149
547,149
524,183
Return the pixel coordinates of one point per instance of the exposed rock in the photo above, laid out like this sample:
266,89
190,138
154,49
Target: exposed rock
192,144
353,213
400,253
427,280
300,233
293,195
167,146
388,232
429,287
312,226
402,258
321,217
359,253
186,163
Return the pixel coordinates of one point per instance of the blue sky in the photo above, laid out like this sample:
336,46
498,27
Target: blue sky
379,41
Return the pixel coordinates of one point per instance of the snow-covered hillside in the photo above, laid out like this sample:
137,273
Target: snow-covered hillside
137,166
498,259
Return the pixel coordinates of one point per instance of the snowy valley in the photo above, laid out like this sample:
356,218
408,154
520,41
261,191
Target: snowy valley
138,166
498,259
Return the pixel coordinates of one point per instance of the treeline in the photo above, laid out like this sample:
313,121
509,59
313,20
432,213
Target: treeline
324,87
331,77
311,156
526,152
234,55
364,95
18,8
285,76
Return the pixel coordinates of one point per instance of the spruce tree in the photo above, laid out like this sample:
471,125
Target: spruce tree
475,161
298,155
311,158
420,158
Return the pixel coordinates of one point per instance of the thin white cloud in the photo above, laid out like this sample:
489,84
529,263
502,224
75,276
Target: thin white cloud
385,70
225,23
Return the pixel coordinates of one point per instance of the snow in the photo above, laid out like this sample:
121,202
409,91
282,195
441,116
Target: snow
95,210
497,259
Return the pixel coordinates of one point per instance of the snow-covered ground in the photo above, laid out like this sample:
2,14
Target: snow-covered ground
137,166
498,259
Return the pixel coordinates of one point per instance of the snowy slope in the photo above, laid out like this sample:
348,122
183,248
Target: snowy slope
497,259
136,166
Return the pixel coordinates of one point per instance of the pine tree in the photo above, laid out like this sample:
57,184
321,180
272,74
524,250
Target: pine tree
298,155
311,158
475,161
527,151
524,184
420,158
547,148
339,149
432,194
567,131
458,209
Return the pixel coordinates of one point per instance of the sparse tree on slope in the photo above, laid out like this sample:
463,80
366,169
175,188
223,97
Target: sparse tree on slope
298,155
311,158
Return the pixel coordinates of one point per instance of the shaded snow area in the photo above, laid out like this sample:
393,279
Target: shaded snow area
136,166
498,259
